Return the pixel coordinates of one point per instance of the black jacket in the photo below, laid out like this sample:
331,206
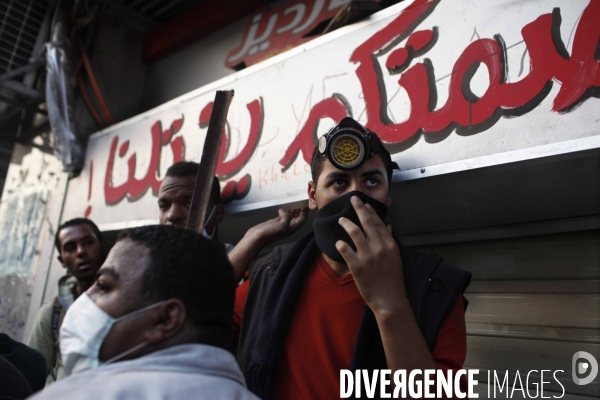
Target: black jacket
276,280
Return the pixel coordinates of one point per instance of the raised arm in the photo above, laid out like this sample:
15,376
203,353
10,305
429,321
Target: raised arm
263,234
378,272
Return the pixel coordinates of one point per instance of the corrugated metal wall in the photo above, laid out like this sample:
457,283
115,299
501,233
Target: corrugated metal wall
534,302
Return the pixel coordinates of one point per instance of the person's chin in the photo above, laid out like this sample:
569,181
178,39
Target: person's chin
87,275
180,224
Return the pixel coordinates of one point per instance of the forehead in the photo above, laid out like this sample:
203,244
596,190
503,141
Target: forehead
372,163
129,260
174,186
75,232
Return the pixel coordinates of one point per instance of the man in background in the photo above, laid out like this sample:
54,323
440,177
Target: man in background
174,199
81,251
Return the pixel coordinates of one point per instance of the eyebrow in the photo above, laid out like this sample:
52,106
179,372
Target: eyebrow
337,175
169,198
78,239
108,271
373,171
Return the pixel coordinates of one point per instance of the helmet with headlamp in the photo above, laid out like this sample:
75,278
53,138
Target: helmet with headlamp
349,144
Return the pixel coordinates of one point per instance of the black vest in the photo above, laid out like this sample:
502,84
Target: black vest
432,287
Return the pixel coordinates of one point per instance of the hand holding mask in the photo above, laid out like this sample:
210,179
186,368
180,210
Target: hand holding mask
326,224
371,254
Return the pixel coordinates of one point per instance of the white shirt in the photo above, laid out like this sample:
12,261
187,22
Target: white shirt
189,371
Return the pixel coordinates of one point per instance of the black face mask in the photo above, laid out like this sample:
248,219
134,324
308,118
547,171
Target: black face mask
327,228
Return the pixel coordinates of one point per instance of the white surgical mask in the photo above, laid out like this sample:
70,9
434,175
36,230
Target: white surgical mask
204,233
83,331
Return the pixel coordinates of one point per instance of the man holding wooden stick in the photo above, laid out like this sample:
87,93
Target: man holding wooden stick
174,199
188,196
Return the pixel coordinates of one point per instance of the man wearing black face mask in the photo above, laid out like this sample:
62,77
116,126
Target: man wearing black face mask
348,295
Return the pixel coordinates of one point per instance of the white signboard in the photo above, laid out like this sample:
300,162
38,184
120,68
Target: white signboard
444,83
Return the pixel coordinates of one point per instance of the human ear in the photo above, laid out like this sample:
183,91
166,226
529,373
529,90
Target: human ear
171,319
312,195
388,202
219,213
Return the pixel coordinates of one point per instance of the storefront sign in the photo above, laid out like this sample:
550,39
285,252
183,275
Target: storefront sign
440,81
273,31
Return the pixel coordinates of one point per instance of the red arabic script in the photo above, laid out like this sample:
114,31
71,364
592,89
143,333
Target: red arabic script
272,30
135,188
335,108
88,209
578,74
226,169
236,190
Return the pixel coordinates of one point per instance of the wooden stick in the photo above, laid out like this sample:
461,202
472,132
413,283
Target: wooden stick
208,163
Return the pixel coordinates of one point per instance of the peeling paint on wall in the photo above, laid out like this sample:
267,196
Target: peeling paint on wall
21,223
26,228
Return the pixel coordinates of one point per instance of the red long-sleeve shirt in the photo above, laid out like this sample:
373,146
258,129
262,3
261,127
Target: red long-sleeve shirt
321,337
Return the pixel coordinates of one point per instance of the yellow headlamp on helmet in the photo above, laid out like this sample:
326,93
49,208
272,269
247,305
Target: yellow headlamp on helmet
349,144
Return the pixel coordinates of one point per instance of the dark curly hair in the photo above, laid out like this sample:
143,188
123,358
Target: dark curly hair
187,266
75,222
183,169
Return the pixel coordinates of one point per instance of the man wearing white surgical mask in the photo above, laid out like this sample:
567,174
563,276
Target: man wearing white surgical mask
175,197
156,323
